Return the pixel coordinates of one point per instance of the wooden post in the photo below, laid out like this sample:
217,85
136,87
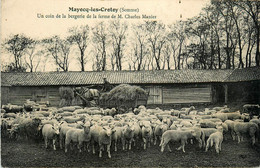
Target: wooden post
226,93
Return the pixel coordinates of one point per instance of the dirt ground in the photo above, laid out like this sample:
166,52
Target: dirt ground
33,154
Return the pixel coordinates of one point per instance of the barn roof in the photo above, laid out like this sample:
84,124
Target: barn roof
246,74
130,77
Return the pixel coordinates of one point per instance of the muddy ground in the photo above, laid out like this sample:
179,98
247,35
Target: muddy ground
33,154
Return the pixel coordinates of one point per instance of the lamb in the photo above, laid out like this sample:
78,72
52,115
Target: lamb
188,110
222,116
207,123
117,135
159,130
230,125
246,128
234,115
219,108
102,136
147,133
78,136
186,123
173,126
63,130
50,132
206,132
216,138
176,136
72,119
137,131
128,136
110,112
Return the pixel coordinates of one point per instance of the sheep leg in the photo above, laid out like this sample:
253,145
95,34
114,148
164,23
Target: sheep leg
126,145
123,143
238,137
108,150
169,149
100,153
155,140
130,143
144,139
203,140
53,143
233,135
200,142
253,140
88,146
134,142
162,147
115,145
207,146
179,148
79,146
217,147
183,145
71,146
150,140
46,142
101,148
93,148
61,141
66,146
220,145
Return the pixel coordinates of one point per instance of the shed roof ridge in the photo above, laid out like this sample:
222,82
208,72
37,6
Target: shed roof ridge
169,70
225,79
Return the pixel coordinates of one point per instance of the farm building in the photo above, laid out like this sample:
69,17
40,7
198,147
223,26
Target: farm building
164,86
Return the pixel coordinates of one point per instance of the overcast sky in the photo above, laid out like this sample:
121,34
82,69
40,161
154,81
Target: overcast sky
20,16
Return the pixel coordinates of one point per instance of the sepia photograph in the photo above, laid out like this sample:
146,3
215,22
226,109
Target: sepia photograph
130,83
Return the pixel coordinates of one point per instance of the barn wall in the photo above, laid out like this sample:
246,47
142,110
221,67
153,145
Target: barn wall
19,94
179,93
4,95
244,92
187,94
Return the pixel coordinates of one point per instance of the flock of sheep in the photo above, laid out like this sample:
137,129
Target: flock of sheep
86,128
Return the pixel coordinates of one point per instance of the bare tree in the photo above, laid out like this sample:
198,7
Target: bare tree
156,39
59,49
167,56
252,8
139,42
100,40
214,18
33,56
118,36
80,35
17,46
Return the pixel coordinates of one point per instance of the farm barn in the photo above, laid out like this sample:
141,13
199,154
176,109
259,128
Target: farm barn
38,138
165,87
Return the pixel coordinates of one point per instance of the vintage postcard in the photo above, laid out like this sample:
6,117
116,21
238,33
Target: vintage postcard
130,83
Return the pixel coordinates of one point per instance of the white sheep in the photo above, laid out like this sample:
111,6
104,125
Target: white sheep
102,136
78,136
159,130
176,136
50,132
242,128
215,138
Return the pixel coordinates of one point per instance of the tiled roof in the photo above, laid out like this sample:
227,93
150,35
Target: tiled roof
246,74
119,77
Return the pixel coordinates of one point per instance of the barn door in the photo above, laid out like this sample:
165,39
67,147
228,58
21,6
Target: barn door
155,95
